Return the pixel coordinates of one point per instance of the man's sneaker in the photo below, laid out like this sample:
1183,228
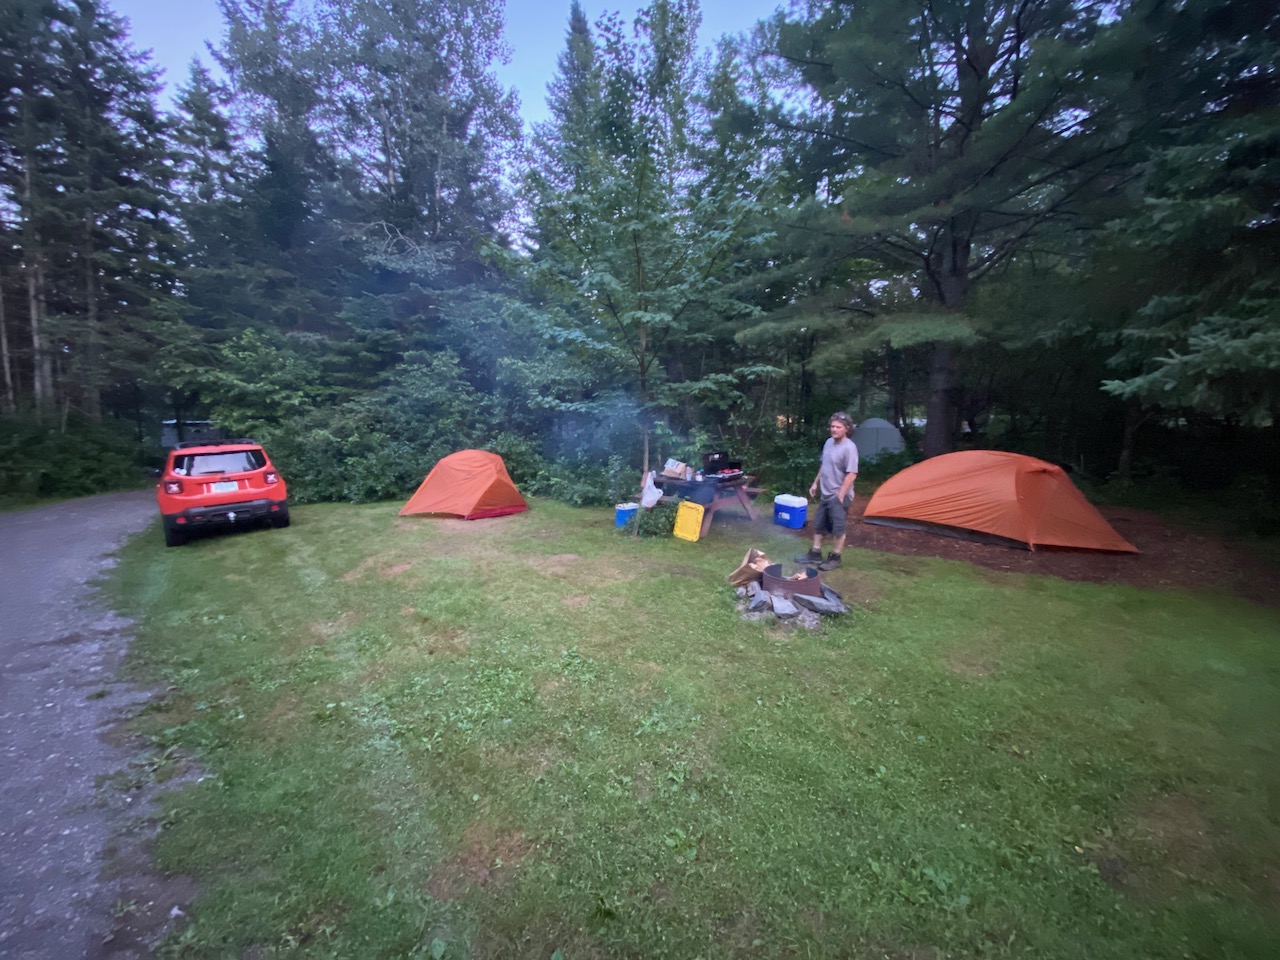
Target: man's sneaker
813,557
832,561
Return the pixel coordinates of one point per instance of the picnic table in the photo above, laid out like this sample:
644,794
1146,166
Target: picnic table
713,494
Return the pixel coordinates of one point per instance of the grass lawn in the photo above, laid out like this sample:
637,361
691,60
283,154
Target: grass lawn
537,737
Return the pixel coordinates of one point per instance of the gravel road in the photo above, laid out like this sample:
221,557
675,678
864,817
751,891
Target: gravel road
75,876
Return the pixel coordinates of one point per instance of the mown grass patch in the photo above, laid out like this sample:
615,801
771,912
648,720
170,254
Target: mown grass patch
516,736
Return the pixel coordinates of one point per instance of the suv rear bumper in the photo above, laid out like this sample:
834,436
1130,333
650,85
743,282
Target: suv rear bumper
226,514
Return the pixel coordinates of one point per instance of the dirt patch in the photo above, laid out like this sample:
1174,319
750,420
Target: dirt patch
544,760
447,643
855,588
555,566
570,565
970,665
281,722
320,632
576,601
740,933
148,903
1169,845
1170,842
472,527
642,787
488,859
548,687
1169,558
359,570
435,637
678,571
387,571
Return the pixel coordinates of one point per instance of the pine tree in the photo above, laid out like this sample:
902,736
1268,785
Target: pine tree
117,181
32,75
410,103
1200,252
632,228
85,169
939,138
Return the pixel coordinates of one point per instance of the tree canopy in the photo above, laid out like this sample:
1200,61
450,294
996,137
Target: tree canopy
1047,225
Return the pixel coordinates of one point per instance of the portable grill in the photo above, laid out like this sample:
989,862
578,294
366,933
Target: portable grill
717,467
717,461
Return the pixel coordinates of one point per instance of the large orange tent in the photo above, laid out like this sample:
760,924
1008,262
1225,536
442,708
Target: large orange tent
470,484
1005,495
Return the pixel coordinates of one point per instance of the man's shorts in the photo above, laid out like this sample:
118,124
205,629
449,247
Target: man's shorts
831,515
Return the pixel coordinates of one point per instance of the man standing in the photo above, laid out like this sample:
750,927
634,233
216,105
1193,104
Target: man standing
834,486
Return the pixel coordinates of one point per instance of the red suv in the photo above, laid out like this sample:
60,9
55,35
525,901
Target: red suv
219,484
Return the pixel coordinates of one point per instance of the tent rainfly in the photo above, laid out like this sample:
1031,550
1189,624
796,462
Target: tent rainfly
1002,495
470,484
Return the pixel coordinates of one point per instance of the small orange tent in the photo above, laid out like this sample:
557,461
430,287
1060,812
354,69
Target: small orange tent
470,484
1004,495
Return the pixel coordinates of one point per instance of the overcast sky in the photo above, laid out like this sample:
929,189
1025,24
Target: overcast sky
175,32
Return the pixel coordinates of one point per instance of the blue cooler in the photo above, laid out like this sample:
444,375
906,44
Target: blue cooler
623,512
790,511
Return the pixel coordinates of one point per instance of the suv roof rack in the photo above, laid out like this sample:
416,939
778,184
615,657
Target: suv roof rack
215,443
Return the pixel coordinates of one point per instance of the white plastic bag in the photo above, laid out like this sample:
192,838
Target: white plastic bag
651,494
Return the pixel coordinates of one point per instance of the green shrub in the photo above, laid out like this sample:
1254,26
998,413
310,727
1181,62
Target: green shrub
521,454
885,465
659,521
343,453
37,460
583,483
787,464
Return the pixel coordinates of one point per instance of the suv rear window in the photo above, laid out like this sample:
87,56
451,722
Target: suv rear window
203,464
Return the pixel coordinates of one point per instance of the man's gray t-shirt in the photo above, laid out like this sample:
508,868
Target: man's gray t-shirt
838,461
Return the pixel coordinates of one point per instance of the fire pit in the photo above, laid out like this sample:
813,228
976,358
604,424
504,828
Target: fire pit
772,581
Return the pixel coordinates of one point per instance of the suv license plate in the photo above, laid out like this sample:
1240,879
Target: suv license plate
226,486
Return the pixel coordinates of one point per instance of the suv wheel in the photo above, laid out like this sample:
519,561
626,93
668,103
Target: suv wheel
280,519
173,537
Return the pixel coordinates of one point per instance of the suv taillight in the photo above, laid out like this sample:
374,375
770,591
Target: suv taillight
271,476
173,486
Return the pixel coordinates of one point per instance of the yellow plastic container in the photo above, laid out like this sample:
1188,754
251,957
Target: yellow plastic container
689,520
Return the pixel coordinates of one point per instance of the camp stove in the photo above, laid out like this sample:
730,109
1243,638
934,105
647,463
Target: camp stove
772,581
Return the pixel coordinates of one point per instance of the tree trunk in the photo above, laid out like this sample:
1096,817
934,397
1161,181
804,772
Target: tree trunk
950,273
1133,419
1271,462
90,373
942,375
41,355
10,404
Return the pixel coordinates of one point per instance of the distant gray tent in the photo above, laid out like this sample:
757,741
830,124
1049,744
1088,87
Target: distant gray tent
875,437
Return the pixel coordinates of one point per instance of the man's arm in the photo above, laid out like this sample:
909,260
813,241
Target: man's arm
846,485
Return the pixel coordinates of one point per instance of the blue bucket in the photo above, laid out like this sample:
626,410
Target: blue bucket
623,512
